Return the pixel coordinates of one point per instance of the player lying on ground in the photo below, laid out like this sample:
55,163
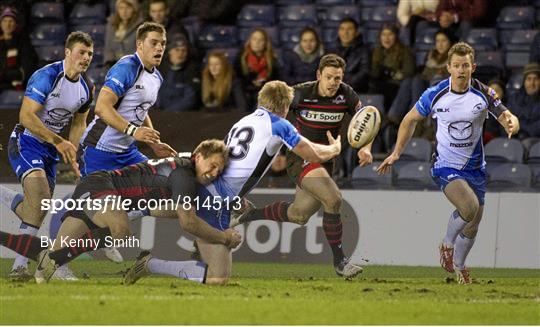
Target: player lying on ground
170,178
318,107
460,106
254,141
55,94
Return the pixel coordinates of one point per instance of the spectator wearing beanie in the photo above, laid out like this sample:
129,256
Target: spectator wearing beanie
525,103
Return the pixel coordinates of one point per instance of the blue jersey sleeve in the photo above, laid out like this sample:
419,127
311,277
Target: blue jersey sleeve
285,131
40,85
122,76
430,96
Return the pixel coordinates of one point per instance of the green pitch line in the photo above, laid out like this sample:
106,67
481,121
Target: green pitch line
277,294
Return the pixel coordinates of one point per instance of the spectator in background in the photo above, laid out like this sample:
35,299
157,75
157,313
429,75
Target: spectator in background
415,14
17,56
181,78
535,49
460,15
301,63
491,127
391,63
209,11
434,71
158,12
356,54
221,91
525,103
256,65
121,31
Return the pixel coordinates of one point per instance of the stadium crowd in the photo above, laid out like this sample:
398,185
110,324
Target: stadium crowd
221,52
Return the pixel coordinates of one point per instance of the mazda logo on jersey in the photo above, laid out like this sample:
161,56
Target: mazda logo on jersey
263,240
460,130
321,117
59,114
142,110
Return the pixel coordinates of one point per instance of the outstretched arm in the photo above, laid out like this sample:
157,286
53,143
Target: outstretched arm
314,152
509,122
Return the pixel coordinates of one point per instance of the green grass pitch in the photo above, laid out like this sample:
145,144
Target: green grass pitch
276,294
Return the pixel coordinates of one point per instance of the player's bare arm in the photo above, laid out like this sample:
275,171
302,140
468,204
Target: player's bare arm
405,133
199,228
316,153
509,122
162,150
364,155
78,125
105,110
29,119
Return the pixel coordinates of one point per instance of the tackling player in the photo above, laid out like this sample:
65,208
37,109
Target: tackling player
460,105
254,141
318,107
55,94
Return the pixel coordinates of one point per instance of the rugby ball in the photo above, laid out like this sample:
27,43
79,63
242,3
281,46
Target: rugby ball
364,126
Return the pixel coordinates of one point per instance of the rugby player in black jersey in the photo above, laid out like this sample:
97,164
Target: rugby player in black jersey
169,178
318,106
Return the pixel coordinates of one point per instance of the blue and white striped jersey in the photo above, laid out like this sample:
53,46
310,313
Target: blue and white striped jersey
59,96
137,90
460,118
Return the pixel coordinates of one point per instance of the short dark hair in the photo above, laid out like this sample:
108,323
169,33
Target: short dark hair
148,27
78,37
349,20
461,49
210,147
332,60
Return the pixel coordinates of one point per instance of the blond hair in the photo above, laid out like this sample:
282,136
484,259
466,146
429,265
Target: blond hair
210,147
461,49
115,19
275,96
216,89
268,51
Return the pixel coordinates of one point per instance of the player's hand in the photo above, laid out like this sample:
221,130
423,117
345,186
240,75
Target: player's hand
512,126
67,150
233,238
386,165
336,142
364,157
147,135
75,168
163,150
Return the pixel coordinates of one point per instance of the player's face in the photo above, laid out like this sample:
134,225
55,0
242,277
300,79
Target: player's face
257,42
532,84
208,169
442,43
152,48
346,33
158,12
125,11
8,25
80,57
329,80
388,38
214,66
461,69
308,42
178,55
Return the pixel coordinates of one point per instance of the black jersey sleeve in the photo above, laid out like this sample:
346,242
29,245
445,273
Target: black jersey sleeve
353,100
183,184
296,98
494,104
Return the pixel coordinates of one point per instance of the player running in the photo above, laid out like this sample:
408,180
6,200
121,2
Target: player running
169,178
55,94
318,107
460,105
254,141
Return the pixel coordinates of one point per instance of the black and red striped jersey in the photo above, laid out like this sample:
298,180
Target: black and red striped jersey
167,178
313,114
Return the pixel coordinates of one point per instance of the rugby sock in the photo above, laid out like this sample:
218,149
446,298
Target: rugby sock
461,250
66,254
275,211
138,214
10,198
333,231
24,244
24,229
455,226
190,270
